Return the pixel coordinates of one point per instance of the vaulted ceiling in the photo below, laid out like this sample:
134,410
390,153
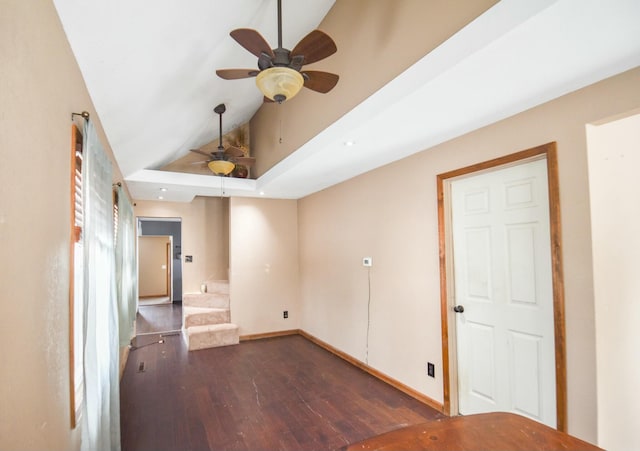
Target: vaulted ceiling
408,82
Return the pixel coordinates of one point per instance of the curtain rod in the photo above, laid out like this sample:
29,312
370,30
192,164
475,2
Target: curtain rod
84,114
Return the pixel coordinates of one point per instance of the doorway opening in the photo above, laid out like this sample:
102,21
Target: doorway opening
160,275
155,286
455,371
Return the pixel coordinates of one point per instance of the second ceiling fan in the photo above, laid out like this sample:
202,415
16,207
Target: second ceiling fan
280,75
225,160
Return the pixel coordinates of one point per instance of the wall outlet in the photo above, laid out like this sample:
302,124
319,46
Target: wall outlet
285,314
431,369
367,261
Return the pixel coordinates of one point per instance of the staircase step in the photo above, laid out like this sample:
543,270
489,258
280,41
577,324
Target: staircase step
210,300
217,286
200,316
211,336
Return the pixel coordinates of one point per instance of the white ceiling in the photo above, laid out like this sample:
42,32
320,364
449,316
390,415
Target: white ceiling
150,73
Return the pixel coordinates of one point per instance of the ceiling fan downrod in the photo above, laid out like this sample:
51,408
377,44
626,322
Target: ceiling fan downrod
220,109
279,24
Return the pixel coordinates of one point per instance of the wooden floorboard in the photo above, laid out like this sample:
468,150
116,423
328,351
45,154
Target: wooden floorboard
158,318
282,393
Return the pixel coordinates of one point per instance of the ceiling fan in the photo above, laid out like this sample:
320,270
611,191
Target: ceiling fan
224,161
280,75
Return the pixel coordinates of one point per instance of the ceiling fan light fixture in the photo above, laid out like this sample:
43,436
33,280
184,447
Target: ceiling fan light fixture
279,83
221,167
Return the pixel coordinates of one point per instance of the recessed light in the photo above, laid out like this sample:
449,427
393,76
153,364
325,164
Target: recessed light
160,197
163,189
262,193
349,143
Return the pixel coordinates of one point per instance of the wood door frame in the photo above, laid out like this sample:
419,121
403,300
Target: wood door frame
169,260
446,268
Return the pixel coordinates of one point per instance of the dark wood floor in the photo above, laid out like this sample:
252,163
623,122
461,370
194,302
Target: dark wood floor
158,318
281,393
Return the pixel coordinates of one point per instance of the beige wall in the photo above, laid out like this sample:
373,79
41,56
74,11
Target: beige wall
40,86
390,214
264,265
205,236
614,159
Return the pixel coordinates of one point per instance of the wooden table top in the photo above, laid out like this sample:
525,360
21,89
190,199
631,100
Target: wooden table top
487,431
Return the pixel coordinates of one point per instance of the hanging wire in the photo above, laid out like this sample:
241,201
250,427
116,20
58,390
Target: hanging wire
366,355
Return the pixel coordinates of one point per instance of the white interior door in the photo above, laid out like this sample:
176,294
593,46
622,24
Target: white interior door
503,282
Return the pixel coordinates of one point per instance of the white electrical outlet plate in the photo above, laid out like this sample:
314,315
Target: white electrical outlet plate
367,261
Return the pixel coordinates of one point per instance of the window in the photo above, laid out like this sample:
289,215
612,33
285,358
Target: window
116,219
76,278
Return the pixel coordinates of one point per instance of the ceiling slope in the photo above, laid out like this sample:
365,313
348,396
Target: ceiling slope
517,55
150,67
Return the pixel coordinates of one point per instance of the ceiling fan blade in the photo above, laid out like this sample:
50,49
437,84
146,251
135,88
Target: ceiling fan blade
245,161
233,151
235,74
315,46
199,162
253,41
208,155
319,81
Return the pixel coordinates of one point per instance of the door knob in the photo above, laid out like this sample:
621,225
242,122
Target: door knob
458,309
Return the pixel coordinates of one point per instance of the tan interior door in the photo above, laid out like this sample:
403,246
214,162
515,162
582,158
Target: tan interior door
153,266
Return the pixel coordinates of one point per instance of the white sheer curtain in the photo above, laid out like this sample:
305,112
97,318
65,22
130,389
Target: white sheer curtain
126,274
101,412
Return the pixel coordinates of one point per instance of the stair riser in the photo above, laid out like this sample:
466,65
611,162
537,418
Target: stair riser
218,286
200,319
212,339
211,300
